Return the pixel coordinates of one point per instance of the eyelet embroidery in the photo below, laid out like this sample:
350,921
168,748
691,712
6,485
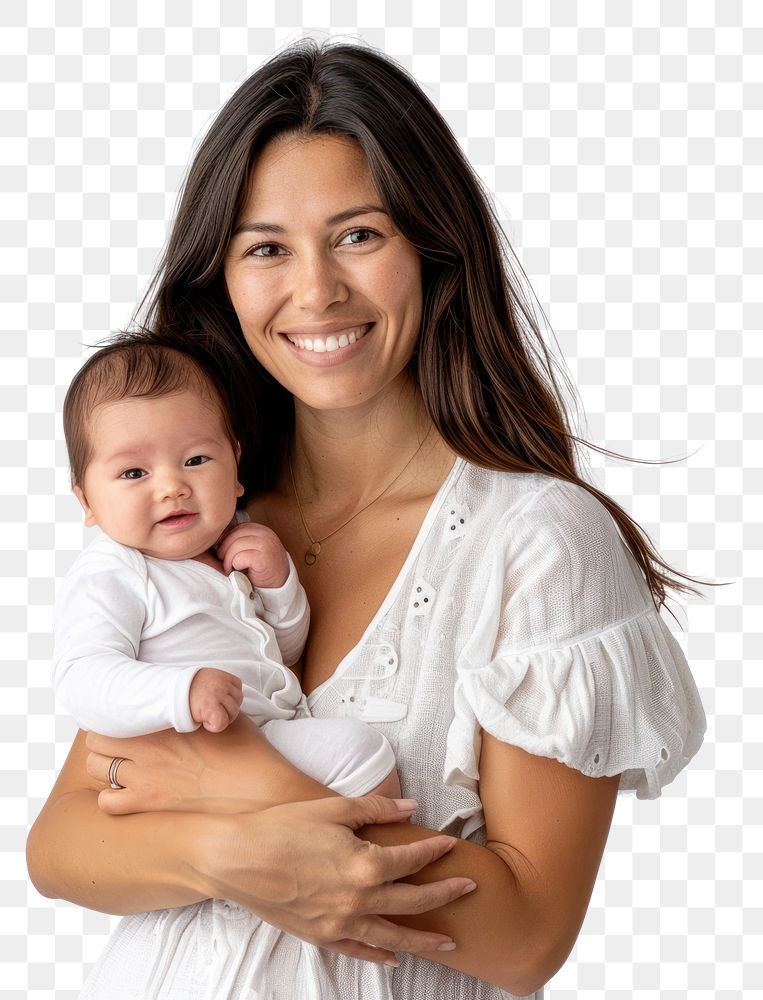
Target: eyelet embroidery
457,520
422,598
386,660
348,699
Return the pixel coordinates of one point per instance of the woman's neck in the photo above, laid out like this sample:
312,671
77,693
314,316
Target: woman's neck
347,457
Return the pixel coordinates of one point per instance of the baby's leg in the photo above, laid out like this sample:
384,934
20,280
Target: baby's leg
389,787
346,755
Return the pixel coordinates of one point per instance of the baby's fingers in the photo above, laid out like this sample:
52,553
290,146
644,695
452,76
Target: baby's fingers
232,705
216,719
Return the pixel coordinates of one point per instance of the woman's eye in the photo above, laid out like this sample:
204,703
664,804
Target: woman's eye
133,474
265,250
359,236
197,460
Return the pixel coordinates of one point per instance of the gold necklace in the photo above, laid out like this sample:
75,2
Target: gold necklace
312,553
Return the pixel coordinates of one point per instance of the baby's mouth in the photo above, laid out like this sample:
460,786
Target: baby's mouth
178,517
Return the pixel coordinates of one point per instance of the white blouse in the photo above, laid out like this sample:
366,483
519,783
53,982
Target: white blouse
519,611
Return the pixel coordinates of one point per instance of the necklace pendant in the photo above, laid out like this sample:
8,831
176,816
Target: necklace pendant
312,553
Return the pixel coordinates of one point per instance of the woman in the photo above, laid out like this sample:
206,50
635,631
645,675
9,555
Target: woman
493,614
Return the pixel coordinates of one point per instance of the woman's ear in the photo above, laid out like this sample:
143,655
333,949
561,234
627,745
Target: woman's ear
90,521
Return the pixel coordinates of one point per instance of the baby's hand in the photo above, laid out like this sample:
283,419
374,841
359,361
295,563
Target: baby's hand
215,698
256,551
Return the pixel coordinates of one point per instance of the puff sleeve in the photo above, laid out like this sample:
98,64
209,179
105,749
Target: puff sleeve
569,657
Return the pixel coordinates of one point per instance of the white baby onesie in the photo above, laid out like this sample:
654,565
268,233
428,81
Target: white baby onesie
133,630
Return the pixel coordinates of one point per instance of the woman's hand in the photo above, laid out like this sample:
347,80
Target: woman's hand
301,868
290,853
170,771
230,772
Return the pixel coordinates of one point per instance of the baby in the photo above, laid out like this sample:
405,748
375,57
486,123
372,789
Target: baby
153,629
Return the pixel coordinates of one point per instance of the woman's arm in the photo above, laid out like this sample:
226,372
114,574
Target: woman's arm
547,827
76,851
546,823
153,860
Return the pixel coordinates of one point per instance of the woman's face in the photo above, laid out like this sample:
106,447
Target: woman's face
327,291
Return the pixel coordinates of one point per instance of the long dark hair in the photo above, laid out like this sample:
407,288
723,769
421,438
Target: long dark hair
488,381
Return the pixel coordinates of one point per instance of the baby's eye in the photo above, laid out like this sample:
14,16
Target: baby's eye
133,474
197,460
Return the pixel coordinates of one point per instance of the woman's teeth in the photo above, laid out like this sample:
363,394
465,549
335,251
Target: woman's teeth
328,344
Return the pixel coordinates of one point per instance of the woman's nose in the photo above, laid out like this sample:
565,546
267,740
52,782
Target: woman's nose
318,282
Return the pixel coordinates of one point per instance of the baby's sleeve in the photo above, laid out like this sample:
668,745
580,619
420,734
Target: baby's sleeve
101,611
569,658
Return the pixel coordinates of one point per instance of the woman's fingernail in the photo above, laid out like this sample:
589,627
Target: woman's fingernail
392,962
469,887
448,946
406,805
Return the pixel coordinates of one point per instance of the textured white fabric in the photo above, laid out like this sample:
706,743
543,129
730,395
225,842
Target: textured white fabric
132,631
518,610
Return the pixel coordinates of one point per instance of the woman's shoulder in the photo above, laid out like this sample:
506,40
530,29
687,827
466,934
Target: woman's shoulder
535,500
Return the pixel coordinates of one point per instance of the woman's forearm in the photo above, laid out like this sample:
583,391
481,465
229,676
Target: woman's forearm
498,929
547,826
123,864
120,864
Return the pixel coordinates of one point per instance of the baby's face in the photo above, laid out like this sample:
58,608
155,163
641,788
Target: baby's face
163,475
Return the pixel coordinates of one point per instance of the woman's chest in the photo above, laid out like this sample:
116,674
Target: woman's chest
354,573
402,677
346,588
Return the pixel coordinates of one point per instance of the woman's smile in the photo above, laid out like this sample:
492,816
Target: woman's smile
327,290
326,349
328,341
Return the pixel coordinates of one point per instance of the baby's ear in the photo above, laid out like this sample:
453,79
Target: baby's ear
90,521
239,487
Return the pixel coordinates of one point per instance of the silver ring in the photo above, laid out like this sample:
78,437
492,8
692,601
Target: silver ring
113,769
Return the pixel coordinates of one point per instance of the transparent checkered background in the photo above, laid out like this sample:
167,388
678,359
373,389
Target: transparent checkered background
623,141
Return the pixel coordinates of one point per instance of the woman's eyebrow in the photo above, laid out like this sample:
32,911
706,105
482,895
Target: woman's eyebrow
273,227
352,212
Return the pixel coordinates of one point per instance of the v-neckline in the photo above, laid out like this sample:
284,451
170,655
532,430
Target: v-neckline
426,525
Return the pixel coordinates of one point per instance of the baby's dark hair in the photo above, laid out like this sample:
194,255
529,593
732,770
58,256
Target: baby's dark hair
133,366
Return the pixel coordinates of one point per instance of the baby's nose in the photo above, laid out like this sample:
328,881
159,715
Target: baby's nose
173,485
